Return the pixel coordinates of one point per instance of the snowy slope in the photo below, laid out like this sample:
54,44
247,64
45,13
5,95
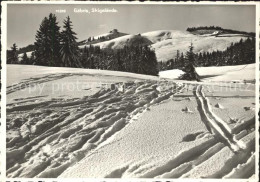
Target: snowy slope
59,82
167,42
167,140
161,35
40,80
168,45
30,71
142,128
220,73
120,42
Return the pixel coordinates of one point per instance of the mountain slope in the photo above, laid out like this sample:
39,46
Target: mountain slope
161,35
167,42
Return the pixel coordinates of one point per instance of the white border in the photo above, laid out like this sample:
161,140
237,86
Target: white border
257,89
3,90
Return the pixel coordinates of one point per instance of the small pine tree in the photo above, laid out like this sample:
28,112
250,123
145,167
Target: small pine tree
13,59
181,61
189,67
84,57
70,53
32,59
25,59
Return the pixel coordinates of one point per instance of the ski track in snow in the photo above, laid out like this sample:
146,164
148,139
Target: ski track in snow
45,138
48,137
242,157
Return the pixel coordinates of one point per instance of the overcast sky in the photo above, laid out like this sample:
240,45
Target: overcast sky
23,20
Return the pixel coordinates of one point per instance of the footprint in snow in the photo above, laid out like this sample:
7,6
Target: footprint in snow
189,99
249,108
219,106
192,137
233,120
186,110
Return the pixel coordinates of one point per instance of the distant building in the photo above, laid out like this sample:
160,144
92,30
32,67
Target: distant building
114,31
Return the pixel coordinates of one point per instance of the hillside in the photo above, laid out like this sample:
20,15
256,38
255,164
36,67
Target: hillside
165,43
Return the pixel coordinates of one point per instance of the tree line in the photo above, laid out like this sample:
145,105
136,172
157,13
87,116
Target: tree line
191,29
242,52
135,59
55,47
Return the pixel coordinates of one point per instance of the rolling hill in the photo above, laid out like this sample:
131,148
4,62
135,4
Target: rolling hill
167,42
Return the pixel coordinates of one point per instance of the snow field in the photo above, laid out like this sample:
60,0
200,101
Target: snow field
133,127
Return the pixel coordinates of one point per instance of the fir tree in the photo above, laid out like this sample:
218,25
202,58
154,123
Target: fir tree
181,61
47,45
42,44
32,59
70,53
84,57
13,59
189,67
25,59
54,38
